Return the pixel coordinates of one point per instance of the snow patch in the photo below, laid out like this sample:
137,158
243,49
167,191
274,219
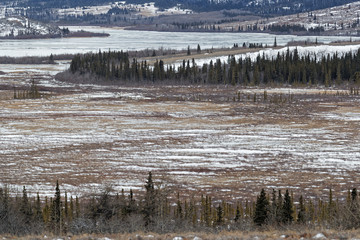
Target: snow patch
319,236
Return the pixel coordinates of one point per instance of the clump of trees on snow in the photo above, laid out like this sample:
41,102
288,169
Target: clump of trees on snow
288,68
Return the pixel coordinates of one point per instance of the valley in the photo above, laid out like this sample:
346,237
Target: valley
92,136
170,117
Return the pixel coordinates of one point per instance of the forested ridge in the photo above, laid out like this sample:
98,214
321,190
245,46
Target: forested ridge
160,210
265,7
259,7
286,69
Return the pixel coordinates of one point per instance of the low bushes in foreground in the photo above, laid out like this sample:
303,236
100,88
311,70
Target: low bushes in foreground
161,211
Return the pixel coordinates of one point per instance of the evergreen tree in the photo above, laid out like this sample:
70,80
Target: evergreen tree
77,207
149,203
71,210
261,209
279,207
179,210
25,207
219,215
237,213
302,211
51,59
287,209
38,212
56,211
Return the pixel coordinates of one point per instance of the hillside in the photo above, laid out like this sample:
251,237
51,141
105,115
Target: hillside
24,28
146,12
14,27
340,20
255,6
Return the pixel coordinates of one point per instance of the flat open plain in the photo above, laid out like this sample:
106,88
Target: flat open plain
198,139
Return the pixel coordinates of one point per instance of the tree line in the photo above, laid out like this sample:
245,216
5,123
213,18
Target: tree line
287,68
157,210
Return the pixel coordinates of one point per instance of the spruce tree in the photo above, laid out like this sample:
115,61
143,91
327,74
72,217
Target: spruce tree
38,212
261,209
56,210
287,209
302,212
25,208
219,215
77,207
237,213
179,210
149,203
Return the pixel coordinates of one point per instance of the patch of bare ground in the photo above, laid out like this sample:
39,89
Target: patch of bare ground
200,139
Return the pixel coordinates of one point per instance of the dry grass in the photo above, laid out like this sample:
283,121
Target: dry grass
301,233
87,141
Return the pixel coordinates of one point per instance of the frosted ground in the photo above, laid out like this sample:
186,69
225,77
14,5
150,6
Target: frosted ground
196,139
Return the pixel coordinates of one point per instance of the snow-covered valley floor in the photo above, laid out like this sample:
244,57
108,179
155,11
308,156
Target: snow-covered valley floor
196,139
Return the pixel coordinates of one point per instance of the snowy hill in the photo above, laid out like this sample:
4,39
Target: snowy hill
148,9
339,20
21,26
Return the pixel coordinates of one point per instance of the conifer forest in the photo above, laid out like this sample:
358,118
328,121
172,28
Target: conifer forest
286,69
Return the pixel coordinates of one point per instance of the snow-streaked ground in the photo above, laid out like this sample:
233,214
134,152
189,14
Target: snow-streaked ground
147,9
339,18
195,138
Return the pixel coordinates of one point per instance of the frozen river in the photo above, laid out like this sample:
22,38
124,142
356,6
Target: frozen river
135,40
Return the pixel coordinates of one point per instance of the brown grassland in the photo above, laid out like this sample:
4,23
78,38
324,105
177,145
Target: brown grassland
221,140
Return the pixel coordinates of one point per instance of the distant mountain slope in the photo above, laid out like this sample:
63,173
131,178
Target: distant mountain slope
256,6
339,20
263,7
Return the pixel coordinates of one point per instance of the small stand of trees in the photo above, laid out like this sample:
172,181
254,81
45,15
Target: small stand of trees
32,93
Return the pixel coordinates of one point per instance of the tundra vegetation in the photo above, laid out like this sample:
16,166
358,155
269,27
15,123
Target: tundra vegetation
158,210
